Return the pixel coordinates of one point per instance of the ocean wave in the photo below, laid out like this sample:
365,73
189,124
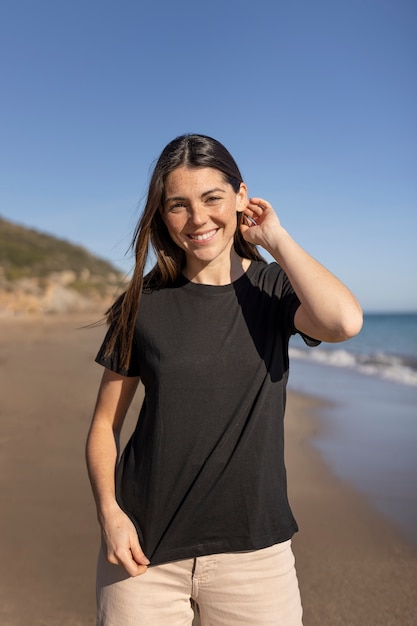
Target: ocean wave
380,364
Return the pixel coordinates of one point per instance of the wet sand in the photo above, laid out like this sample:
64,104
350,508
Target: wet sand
354,568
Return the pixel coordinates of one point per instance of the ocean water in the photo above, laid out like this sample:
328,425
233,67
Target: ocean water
370,434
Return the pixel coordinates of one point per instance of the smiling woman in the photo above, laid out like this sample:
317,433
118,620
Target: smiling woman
200,213
199,493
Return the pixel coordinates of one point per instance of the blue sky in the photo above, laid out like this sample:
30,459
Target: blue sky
316,101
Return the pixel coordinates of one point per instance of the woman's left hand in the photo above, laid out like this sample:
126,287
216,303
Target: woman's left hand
261,224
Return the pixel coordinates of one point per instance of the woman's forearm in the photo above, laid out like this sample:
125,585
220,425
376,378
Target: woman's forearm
102,449
101,455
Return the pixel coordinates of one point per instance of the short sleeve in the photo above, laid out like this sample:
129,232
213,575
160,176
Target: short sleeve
309,341
274,281
112,361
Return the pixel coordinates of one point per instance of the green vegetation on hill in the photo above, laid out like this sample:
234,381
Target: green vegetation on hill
25,252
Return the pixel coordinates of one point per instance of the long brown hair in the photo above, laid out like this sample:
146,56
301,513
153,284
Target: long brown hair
151,233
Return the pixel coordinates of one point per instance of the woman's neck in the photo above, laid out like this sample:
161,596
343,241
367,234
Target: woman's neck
217,273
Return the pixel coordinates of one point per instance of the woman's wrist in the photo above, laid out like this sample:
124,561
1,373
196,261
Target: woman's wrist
107,508
276,241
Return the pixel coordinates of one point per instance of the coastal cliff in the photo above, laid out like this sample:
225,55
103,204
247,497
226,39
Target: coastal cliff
40,274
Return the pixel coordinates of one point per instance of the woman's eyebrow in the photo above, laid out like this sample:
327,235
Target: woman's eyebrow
203,195
207,193
171,198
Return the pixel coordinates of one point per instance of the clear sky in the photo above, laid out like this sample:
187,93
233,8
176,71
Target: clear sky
316,100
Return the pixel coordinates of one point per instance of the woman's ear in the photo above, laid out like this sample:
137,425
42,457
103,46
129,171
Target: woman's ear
242,198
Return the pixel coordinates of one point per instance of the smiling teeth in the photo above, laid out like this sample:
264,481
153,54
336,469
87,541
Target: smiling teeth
204,236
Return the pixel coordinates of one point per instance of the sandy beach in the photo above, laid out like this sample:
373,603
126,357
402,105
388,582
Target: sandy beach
354,568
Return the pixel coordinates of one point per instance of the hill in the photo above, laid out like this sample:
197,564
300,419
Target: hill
40,273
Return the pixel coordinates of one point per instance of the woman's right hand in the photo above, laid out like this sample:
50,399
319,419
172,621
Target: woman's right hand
120,542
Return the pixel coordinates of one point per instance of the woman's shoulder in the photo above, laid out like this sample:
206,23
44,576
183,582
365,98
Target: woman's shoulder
264,271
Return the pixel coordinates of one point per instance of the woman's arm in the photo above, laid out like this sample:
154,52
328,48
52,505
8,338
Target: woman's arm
120,540
328,311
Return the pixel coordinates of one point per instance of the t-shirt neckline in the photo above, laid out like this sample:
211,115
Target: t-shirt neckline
218,289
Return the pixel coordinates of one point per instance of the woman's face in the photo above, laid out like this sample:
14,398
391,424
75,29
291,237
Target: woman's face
199,212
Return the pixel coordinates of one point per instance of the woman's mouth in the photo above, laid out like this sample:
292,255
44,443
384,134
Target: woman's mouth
202,236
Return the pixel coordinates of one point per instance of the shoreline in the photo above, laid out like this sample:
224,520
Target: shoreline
368,437
353,566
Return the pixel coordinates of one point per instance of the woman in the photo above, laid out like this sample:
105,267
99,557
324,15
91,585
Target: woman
195,516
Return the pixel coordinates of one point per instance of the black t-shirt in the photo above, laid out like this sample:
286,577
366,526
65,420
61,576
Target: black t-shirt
204,470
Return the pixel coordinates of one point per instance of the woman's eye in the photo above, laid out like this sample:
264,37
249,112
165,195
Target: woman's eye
177,207
214,199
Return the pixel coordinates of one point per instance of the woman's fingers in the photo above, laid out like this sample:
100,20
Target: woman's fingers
261,222
132,566
137,554
133,560
258,205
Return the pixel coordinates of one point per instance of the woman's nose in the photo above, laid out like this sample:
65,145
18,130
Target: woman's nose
197,214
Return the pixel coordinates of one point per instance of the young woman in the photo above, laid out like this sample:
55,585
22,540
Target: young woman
194,515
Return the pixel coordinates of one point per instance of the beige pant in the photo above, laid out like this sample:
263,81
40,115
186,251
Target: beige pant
259,588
